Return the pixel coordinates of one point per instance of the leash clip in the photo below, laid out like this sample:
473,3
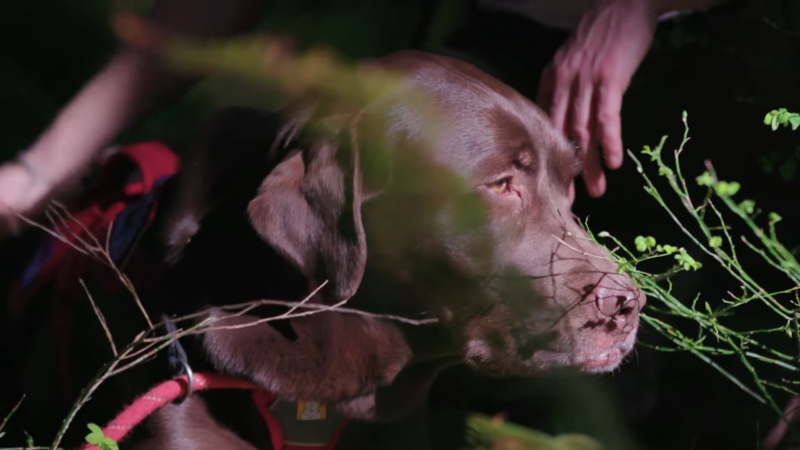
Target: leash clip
187,369
177,358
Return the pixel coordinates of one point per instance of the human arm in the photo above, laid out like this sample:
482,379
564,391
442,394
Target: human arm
583,87
131,84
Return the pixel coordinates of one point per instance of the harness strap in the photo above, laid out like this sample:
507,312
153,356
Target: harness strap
177,359
126,193
169,391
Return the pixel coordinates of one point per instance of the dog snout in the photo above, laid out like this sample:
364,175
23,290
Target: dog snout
618,299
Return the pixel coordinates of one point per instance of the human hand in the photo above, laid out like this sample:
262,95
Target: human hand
21,192
582,88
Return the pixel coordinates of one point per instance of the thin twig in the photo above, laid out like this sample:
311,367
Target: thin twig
575,249
144,347
341,310
272,319
242,308
87,392
50,232
100,318
13,410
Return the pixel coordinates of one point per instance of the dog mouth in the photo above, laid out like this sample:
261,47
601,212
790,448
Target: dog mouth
602,362
482,357
606,360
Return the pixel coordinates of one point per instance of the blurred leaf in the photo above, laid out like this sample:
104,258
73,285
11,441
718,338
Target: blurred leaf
487,433
29,440
96,436
787,170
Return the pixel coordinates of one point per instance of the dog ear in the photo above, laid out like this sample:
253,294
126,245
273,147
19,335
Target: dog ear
309,210
229,145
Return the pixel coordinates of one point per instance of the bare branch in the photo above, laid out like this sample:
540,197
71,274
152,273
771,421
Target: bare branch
575,249
144,346
13,410
100,318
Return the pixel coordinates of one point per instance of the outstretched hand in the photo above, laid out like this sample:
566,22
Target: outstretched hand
582,88
19,193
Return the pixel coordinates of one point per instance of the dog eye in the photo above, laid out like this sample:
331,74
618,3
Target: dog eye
500,186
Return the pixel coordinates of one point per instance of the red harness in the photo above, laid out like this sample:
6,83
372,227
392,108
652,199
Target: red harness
174,389
52,275
130,206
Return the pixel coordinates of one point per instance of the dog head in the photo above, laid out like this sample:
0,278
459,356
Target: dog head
547,296
470,225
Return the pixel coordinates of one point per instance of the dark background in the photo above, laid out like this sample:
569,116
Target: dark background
727,68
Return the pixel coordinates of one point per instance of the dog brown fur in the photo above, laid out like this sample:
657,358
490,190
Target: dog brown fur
266,210
521,292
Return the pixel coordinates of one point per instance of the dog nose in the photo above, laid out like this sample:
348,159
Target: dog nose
620,302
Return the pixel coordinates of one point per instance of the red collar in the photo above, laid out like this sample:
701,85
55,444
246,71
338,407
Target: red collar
174,389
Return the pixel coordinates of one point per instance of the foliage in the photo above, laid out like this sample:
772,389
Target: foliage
779,161
96,437
782,117
717,241
496,434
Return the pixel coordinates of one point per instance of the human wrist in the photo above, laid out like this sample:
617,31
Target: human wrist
51,165
23,160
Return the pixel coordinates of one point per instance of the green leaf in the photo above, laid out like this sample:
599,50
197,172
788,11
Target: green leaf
686,261
485,433
768,117
721,188
96,436
641,244
109,444
649,151
747,206
766,165
715,242
775,217
705,179
783,118
787,170
795,121
775,122
669,249
29,440
727,189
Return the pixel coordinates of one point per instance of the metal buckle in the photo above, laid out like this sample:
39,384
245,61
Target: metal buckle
190,377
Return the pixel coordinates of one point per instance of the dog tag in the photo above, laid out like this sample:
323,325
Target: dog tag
310,411
306,423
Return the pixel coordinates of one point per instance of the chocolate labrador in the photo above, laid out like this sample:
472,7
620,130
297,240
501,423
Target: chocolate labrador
471,228
496,255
